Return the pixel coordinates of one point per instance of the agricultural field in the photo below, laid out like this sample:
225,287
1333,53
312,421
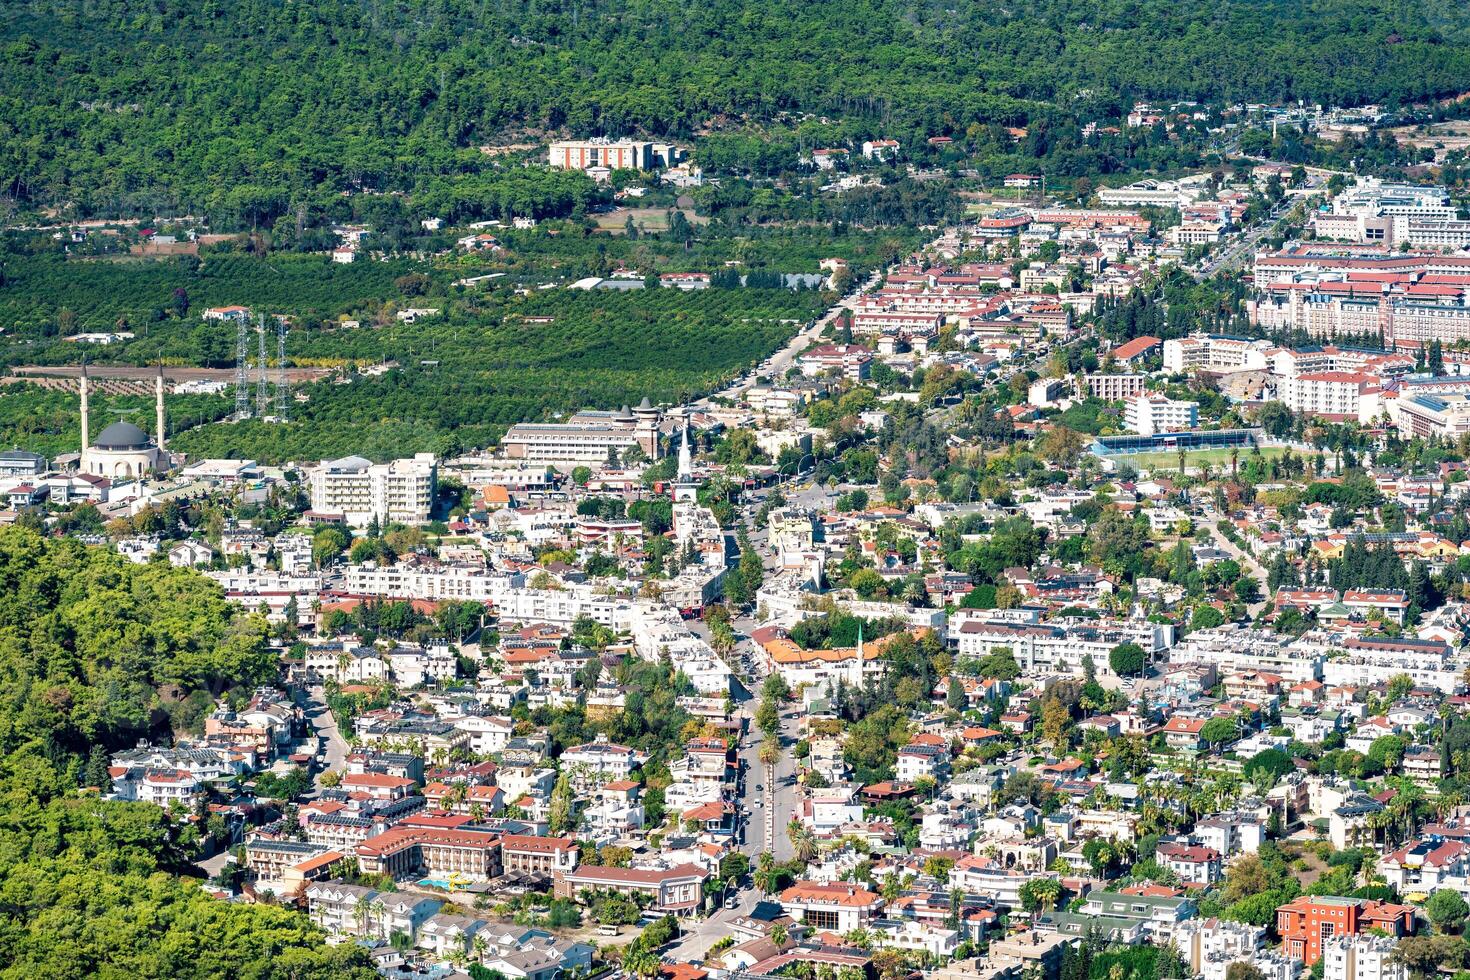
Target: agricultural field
465,376
46,419
45,296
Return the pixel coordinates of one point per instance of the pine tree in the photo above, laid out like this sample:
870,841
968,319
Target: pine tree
96,772
954,698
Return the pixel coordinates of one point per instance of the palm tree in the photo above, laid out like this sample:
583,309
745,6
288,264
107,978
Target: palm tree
481,946
640,962
765,876
1377,822
1447,803
779,934
360,913
379,910
802,839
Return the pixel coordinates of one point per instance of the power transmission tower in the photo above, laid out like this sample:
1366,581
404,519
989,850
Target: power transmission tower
242,376
281,369
262,391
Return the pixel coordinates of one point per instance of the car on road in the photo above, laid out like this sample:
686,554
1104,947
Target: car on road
759,787
733,902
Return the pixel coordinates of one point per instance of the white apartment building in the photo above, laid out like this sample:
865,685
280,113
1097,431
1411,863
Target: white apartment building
847,360
1325,393
1197,232
1370,198
402,490
432,580
1231,649
1444,414
1213,352
1361,958
868,322
561,607
974,633
1114,387
1149,193
1147,414
1209,946
488,733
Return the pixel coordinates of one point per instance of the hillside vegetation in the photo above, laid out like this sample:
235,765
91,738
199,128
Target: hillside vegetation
95,652
250,106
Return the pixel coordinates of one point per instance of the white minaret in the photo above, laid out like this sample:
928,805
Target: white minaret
686,490
158,393
86,439
686,458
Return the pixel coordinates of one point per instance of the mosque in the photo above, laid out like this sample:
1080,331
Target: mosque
122,450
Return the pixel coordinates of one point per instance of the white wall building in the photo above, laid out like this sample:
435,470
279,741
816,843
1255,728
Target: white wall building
1147,413
402,490
1361,958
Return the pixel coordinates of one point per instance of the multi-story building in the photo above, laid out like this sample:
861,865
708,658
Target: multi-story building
1413,324
1330,393
1147,414
423,577
404,850
1159,916
523,854
596,763
611,154
1446,414
1113,387
839,907
1209,946
871,321
1305,923
1374,211
1361,958
587,436
1150,193
849,361
678,889
360,490
1193,863
1214,352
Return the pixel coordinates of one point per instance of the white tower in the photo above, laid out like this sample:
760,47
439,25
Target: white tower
686,458
686,490
158,409
86,429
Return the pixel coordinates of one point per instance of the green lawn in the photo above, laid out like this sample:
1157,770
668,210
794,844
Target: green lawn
1193,459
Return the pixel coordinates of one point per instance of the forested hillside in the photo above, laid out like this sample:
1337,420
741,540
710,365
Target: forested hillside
253,106
95,652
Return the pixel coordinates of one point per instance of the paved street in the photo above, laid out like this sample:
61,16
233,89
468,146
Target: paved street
1244,557
783,358
325,725
1237,251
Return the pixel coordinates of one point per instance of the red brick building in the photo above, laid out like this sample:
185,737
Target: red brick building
1306,921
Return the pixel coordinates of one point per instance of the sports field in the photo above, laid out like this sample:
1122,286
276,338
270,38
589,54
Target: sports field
1192,459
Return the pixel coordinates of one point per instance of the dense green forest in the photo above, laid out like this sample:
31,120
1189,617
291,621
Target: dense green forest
468,375
95,652
247,108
